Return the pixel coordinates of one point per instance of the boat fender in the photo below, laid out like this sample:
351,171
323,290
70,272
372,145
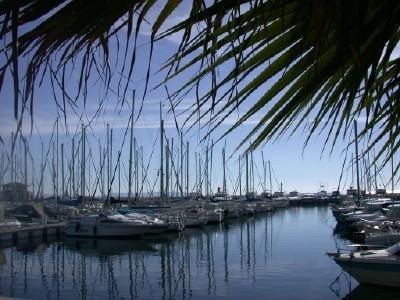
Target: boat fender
77,227
94,229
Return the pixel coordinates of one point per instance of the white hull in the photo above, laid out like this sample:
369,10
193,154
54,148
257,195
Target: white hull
110,229
384,273
379,267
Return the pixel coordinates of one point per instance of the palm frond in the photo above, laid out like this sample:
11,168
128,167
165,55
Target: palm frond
326,61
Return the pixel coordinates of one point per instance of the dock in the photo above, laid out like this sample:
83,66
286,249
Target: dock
34,231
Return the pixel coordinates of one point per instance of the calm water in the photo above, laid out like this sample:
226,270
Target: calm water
272,256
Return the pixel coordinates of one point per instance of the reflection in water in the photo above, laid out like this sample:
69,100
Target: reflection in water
164,267
362,292
281,254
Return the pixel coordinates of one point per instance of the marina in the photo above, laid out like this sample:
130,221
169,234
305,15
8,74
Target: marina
279,253
199,149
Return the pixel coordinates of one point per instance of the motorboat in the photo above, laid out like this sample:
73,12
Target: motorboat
379,267
351,218
337,211
111,225
308,198
265,195
251,196
10,223
221,195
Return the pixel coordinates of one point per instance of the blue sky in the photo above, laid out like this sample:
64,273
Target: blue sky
295,168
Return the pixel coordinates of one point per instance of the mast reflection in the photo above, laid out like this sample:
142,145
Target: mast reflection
197,261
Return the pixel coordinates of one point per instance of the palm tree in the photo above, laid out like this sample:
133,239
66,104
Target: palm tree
320,64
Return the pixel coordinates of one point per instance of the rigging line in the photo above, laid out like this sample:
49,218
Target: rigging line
341,173
229,176
119,156
45,162
259,178
236,185
276,180
148,164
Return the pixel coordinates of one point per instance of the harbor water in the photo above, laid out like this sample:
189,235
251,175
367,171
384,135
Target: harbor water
278,255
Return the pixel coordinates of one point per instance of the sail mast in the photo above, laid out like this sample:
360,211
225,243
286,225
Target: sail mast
247,175
357,168
130,151
162,156
181,165
187,169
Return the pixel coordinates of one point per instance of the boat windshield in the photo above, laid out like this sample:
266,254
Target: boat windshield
394,250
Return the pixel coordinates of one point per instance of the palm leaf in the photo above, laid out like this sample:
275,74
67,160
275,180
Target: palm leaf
325,61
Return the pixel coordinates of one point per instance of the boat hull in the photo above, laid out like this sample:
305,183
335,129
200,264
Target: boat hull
114,230
377,272
194,221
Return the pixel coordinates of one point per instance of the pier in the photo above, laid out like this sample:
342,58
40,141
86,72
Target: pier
35,231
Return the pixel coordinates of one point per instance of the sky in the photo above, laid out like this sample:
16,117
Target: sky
296,167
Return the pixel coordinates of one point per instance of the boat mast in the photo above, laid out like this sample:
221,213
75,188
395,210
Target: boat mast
135,165
119,175
211,165
167,169
200,176
197,173
83,161
57,163
352,169
62,171
171,170
181,165
270,177
375,174
12,159
33,177
42,174
108,161
162,156
240,178
252,171
207,172
90,159
247,175
2,169
391,163
25,161
187,169
357,168
111,161
223,167
54,172
100,171
72,167
265,172
369,173
130,151
142,172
